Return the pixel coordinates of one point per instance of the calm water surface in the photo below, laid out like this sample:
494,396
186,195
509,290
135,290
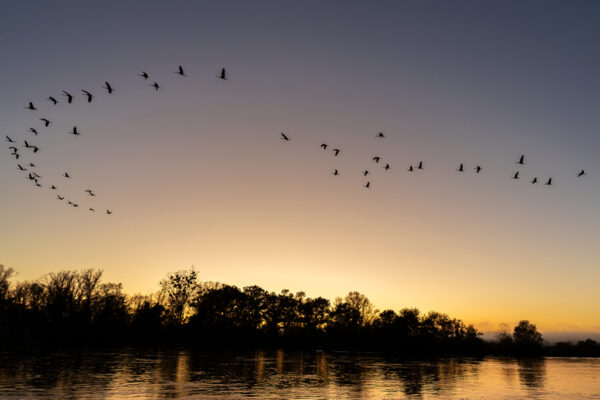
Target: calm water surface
182,374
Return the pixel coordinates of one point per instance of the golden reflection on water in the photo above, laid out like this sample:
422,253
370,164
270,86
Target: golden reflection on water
291,374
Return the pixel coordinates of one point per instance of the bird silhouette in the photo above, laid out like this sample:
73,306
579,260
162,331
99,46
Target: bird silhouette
380,135
477,169
21,167
368,185
90,192
46,121
420,165
37,184
34,131
336,151
109,212
31,177
376,159
180,71
13,149
516,175
36,175
335,172
69,202
521,160
92,210
66,175
27,145
30,106
108,88
144,75
284,137
53,187
155,86
17,155
9,140
75,205
549,182
410,169
69,96
461,168
581,173
52,99
58,196
324,146
387,166
365,172
534,181
223,76
32,165
89,95
75,131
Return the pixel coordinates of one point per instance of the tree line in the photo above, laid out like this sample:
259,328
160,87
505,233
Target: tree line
76,308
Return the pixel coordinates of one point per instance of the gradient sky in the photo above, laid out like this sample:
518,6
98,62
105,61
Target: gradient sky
197,175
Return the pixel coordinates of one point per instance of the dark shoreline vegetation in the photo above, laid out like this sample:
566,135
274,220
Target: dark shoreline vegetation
75,308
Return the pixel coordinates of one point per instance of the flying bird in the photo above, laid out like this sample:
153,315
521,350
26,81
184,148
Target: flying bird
52,99
420,165
155,86
32,164
53,187
223,76
376,159
336,151
37,184
16,155
460,168
89,95
14,149
108,88
30,106
380,135
534,181
516,175
92,210
410,169
34,131
75,131
581,173
109,212
335,172
144,75
180,71
387,166
90,192
36,175
66,175
69,96
365,172
9,140
521,160
31,177
549,182
284,137
324,146
21,168
58,196
368,185
46,121
477,169
27,145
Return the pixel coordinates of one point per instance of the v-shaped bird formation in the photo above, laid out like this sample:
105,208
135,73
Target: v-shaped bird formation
88,97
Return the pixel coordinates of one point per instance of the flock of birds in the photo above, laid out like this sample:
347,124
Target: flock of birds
419,166
35,178
31,168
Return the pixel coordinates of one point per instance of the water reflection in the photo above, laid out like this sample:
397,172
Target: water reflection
274,374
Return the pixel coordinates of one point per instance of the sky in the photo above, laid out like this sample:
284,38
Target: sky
196,173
